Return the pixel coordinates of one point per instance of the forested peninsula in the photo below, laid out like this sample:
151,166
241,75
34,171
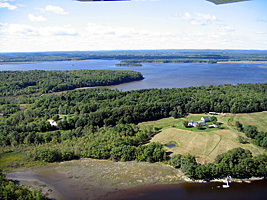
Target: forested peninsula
40,81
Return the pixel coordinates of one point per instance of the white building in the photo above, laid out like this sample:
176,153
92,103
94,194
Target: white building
52,122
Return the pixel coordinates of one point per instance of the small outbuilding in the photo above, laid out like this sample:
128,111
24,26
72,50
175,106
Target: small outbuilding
212,113
213,126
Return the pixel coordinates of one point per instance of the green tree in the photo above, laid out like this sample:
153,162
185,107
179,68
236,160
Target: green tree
199,126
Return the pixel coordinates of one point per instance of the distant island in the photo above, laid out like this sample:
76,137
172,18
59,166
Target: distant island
130,63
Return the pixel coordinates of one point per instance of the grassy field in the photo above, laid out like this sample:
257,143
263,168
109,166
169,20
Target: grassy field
204,144
257,119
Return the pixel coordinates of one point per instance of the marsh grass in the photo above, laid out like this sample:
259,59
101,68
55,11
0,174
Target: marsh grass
11,160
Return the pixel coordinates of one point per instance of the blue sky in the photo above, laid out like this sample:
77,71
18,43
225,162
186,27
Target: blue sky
69,25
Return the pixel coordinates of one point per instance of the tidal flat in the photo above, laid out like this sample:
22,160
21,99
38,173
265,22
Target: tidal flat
93,179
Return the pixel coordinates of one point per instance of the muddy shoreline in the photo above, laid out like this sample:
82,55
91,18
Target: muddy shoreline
103,179
93,179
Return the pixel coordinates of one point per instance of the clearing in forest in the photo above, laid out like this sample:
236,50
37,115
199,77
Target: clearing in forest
205,144
258,119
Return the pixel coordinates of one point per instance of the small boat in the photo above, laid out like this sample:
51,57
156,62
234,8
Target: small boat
227,184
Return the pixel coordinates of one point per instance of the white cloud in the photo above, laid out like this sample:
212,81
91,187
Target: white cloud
261,33
19,29
3,24
57,31
92,36
196,18
27,30
227,28
8,6
36,18
55,9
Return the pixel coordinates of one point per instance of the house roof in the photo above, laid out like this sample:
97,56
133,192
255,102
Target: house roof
206,119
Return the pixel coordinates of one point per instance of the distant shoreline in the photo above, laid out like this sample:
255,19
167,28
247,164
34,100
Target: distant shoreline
244,62
226,62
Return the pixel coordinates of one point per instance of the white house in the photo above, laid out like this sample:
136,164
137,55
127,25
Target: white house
195,123
52,122
192,124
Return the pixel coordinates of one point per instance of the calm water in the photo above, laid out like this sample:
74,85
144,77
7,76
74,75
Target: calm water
256,190
167,75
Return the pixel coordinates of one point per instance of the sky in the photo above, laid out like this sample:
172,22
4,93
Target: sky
69,25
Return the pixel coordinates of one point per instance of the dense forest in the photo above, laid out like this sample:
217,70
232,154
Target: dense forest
209,56
40,81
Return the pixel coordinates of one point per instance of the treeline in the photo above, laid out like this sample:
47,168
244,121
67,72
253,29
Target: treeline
193,55
129,63
170,60
119,143
39,81
10,190
259,137
237,163
109,107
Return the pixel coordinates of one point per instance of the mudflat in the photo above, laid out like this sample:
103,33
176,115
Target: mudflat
93,179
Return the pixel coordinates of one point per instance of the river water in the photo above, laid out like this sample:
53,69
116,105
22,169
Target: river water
256,190
173,75
164,75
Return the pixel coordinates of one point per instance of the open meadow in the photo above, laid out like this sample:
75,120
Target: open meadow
257,119
208,143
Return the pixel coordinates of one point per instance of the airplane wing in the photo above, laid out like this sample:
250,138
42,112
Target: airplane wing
225,1
213,1
103,0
